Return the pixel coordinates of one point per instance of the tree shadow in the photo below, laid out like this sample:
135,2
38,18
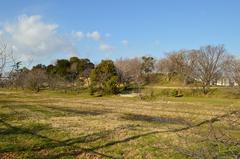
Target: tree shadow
72,150
52,110
108,144
79,151
71,111
12,132
154,119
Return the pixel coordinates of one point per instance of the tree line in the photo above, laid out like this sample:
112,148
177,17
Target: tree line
203,67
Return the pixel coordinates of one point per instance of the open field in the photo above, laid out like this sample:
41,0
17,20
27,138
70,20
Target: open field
55,125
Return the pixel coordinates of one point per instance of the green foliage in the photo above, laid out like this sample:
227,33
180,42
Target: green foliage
39,66
147,64
83,65
176,93
73,59
104,78
110,86
51,69
62,67
147,68
70,69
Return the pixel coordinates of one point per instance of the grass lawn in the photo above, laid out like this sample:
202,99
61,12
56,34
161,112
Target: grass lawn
56,125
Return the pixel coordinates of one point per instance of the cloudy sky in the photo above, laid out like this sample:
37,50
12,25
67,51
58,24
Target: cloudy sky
42,31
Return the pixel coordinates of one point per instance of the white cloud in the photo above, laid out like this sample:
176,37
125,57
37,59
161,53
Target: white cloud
34,38
31,31
125,43
106,48
94,35
79,35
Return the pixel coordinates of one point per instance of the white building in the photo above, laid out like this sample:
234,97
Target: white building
225,81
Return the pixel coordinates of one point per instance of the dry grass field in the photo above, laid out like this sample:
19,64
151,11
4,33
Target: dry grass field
54,125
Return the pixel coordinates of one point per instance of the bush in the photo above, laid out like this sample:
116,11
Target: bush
104,79
110,86
176,93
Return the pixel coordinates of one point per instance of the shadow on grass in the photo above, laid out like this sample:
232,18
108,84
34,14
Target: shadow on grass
154,119
53,111
72,111
20,132
78,151
70,144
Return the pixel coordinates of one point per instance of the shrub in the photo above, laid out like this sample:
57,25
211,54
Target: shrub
110,86
104,78
176,93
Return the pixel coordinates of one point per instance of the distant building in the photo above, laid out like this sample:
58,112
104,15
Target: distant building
227,82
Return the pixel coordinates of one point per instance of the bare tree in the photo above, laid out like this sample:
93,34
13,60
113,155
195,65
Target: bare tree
136,75
178,62
233,69
35,79
3,58
129,70
163,66
181,62
209,65
7,64
17,76
6,58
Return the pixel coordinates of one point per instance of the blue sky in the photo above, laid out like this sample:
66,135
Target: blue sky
126,28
